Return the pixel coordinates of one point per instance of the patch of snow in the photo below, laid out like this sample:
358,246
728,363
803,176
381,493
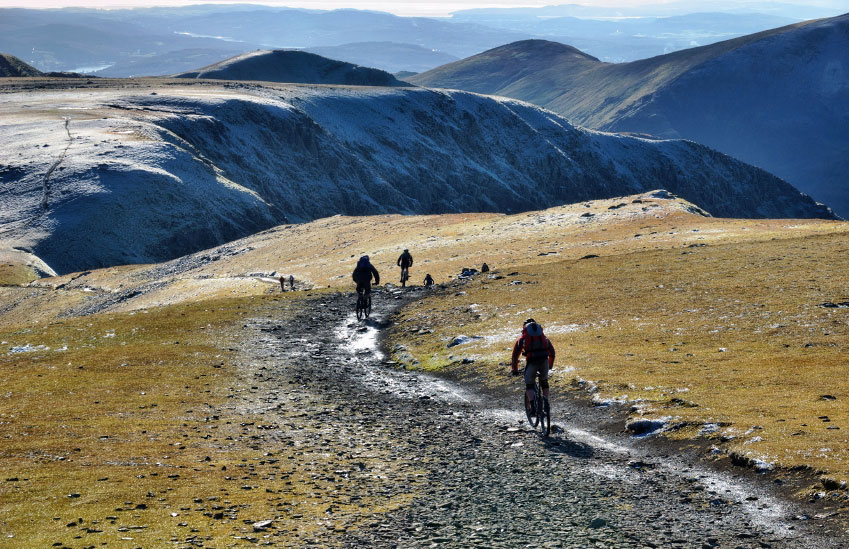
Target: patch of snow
709,428
463,340
28,349
643,428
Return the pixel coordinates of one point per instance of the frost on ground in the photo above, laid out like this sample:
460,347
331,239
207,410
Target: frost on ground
101,177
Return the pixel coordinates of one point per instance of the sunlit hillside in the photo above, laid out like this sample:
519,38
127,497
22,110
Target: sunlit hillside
129,403
323,253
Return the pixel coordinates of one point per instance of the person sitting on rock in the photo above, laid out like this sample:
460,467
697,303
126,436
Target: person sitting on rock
539,358
428,280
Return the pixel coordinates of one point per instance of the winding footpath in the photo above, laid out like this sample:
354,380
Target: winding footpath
479,477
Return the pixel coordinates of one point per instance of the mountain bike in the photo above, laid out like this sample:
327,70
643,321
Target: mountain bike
405,275
363,304
542,420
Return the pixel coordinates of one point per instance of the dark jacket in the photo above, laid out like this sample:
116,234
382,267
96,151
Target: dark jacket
405,260
363,273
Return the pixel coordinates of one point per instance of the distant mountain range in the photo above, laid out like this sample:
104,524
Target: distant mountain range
389,56
293,67
159,41
167,170
777,99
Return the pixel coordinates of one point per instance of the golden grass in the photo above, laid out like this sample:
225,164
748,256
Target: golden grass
131,430
324,252
647,319
729,334
14,274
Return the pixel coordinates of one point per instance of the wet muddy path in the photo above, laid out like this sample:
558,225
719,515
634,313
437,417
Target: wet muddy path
462,468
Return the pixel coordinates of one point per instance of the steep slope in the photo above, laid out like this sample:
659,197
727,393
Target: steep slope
294,67
781,103
153,173
532,70
11,66
778,99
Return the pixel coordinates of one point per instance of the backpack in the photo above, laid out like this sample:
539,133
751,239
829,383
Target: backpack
362,273
536,344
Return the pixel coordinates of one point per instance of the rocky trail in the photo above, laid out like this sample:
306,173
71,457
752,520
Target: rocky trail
431,461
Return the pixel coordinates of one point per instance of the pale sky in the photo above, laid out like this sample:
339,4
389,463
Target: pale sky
426,8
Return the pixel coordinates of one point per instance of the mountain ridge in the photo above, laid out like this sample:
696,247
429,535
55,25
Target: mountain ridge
786,116
11,66
292,66
156,172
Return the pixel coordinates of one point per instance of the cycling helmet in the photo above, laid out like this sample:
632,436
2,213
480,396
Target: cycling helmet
529,321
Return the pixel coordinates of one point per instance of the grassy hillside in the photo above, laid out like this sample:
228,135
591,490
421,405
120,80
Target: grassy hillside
142,429
732,340
125,408
323,252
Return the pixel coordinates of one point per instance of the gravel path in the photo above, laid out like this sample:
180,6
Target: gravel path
480,477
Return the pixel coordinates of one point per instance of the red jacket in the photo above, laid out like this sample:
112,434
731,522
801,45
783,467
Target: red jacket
519,347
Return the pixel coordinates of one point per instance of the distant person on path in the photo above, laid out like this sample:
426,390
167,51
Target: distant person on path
405,261
428,280
363,274
485,268
282,284
292,282
539,358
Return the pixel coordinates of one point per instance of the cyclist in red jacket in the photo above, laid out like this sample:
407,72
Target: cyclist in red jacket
539,358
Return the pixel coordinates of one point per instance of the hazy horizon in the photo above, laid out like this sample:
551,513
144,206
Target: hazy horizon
431,8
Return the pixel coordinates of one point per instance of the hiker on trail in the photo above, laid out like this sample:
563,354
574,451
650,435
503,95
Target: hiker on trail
428,280
282,284
539,358
363,274
405,261
292,282
485,268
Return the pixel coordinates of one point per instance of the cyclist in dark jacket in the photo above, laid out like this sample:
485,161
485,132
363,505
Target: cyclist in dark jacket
405,261
428,280
363,274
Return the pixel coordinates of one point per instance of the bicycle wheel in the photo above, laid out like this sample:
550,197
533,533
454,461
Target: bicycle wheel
544,415
368,305
360,308
533,420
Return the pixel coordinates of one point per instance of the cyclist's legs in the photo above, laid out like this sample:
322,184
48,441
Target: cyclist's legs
539,367
364,288
530,374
